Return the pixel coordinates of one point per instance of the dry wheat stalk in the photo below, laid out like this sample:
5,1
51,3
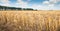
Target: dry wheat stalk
29,21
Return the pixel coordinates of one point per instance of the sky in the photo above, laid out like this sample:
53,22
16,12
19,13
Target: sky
35,4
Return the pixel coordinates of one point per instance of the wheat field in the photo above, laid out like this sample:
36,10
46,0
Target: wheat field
29,20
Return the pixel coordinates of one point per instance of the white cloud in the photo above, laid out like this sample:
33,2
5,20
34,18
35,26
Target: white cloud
51,2
45,2
5,2
39,7
55,1
19,3
22,3
44,7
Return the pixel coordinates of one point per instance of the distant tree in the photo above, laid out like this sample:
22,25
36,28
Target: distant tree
13,8
27,9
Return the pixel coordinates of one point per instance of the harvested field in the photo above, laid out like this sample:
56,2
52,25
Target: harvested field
29,20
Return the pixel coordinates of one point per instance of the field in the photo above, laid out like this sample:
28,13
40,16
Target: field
29,20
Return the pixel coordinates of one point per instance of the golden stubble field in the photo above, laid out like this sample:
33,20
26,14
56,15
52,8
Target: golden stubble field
29,20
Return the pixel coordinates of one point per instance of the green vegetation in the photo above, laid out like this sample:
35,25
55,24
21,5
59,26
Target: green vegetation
13,8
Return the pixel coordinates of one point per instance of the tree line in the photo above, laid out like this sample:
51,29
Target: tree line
13,8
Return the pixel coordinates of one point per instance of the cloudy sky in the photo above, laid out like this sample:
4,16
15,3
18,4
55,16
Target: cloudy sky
35,4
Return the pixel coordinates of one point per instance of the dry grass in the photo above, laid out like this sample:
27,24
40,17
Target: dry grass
29,20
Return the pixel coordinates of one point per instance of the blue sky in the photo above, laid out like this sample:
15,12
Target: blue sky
35,4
